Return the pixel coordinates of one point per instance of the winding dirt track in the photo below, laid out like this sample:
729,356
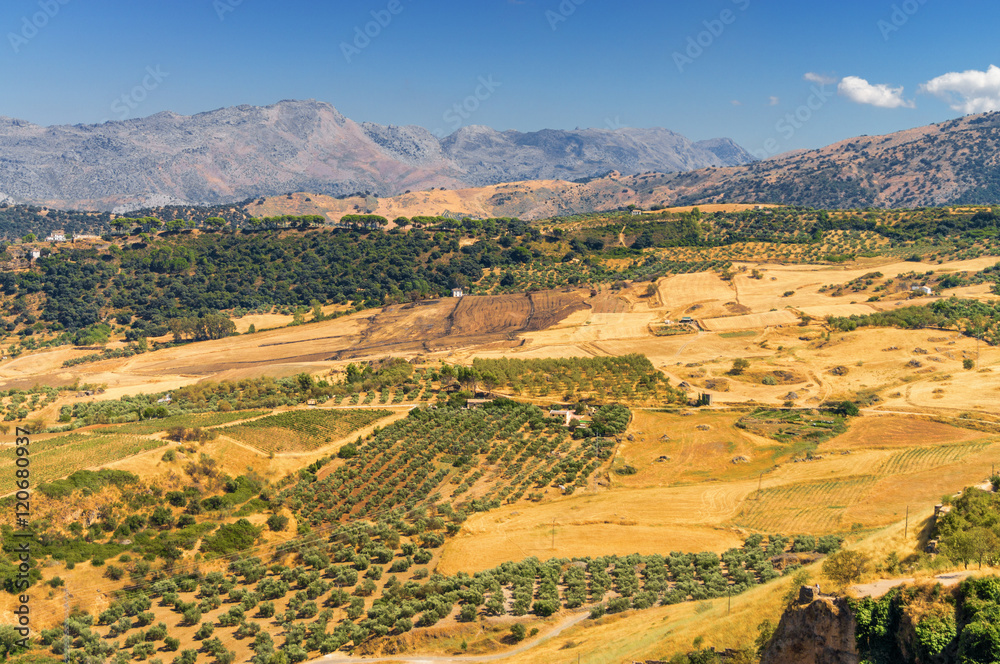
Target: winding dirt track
560,627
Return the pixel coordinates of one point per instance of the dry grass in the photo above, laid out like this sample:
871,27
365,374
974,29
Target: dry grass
661,632
894,431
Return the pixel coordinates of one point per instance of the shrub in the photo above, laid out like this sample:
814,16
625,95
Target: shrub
231,538
277,522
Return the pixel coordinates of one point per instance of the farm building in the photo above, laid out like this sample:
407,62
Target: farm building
473,404
56,237
924,290
568,416
457,292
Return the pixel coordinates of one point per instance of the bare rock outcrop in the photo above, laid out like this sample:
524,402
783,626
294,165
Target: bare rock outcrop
817,629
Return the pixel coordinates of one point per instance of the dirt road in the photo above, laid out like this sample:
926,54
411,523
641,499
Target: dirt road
560,627
880,588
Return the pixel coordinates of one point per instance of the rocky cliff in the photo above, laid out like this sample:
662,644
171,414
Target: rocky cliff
817,629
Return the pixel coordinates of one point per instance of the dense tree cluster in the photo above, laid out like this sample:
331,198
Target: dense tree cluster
198,275
974,317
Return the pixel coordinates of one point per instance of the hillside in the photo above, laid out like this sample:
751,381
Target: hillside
265,439
243,152
949,163
945,163
543,175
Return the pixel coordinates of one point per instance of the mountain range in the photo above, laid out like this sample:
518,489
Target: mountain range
954,162
242,152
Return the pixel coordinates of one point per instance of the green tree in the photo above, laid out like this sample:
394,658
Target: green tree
9,639
740,365
846,567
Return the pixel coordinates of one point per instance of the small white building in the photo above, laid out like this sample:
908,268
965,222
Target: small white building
35,253
636,213
568,416
924,290
56,237
457,292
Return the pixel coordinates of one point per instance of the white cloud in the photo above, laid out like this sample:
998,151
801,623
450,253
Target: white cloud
773,101
968,91
736,102
813,77
861,91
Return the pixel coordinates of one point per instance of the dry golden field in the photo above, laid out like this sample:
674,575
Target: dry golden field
701,483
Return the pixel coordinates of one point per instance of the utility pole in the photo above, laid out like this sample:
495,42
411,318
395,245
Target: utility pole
760,482
729,591
66,641
906,528
553,534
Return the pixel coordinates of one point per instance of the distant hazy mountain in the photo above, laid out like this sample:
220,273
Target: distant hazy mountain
242,152
955,162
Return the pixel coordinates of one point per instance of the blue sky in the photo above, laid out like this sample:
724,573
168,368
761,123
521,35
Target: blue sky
774,76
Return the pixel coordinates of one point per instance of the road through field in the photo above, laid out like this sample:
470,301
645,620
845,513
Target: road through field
880,588
561,626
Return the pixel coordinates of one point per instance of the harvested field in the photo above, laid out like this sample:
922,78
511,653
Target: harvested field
605,303
679,292
750,321
670,449
895,431
923,458
652,520
813,507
